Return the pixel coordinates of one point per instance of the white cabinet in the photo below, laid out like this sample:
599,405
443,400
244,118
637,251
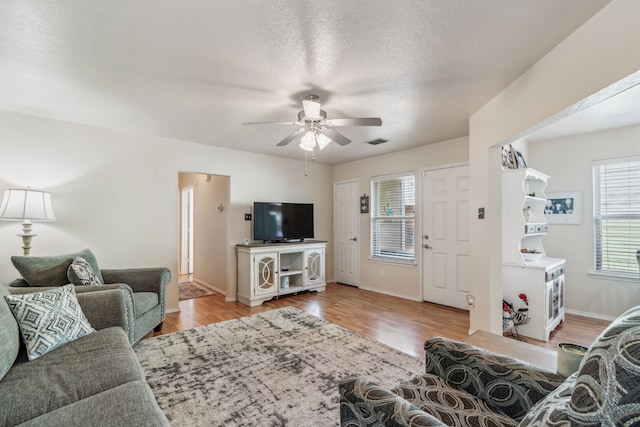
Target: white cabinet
544,286
266,271
525,267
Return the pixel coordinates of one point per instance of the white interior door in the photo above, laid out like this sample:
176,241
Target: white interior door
345,226
445,236
186,255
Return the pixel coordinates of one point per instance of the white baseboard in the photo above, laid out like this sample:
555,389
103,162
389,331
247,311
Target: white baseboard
393,294
172,310
231,299
590,315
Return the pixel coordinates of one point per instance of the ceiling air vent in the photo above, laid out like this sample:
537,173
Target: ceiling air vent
377,141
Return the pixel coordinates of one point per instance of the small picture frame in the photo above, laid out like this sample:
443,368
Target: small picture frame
563,207
364,204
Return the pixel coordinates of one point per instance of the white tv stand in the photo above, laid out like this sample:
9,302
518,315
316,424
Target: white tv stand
268,270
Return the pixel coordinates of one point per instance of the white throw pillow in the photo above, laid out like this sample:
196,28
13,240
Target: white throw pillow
49,319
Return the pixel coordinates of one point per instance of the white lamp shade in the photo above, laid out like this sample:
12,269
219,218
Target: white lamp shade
26,205
323,140
308,141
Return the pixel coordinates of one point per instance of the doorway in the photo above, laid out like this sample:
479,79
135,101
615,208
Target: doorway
445,236
204,234
186,233
346,226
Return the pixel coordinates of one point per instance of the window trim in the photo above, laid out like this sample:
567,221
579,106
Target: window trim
597,223
374,219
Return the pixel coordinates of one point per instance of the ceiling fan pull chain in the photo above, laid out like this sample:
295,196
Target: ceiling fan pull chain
306,170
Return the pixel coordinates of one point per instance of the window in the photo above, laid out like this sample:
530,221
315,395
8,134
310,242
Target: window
616,216
393,217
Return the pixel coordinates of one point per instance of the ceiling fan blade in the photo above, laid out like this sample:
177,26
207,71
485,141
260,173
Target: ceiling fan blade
366,121
335,136
273,123
293,135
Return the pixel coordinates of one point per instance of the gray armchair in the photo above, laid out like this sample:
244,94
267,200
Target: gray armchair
140,311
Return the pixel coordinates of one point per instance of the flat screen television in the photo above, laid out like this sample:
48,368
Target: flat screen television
282,222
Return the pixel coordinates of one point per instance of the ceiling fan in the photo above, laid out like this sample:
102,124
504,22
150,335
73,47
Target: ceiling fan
316,128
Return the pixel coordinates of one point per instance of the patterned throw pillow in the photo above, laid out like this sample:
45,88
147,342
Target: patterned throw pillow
80,273
607,390
49,319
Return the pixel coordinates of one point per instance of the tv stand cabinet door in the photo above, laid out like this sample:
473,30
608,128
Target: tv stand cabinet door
314,267
265,278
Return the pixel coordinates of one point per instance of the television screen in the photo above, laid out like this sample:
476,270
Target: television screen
278,222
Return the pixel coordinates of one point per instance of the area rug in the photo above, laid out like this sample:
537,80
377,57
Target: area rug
190,290
277,368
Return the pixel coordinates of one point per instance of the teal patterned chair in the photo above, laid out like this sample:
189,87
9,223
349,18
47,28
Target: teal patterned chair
467,386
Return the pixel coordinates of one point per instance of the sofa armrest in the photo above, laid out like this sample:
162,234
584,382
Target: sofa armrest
506,384
364,403
107,308
140,279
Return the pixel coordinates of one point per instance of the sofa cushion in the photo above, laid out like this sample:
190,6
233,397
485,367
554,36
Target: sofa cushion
49,319
51,270
81,273
83,368
144,301
553,410
9,334
608,384
453,407
130,404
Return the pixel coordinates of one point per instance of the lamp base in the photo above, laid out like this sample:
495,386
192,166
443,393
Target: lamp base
26,235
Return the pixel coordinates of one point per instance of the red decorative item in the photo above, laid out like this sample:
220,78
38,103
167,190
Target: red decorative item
524,298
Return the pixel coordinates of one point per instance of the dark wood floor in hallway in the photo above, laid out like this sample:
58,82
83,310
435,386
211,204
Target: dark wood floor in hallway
393,321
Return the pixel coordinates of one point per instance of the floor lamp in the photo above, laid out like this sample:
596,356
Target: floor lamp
26,206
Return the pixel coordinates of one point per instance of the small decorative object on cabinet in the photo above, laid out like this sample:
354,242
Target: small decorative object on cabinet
268,270
525,267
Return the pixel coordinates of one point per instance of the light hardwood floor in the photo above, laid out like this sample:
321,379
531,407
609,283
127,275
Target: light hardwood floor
396,322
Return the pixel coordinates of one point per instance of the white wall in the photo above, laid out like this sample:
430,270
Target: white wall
399,280
117,193
568,161
601,52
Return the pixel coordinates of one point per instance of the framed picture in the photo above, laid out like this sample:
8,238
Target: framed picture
564,207
364,204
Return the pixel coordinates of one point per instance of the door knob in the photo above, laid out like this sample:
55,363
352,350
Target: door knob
426,246
425,237
355,239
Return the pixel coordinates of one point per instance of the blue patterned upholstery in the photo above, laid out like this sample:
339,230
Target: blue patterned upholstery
606,388
467,386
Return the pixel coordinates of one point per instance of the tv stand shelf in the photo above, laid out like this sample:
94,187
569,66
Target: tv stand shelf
268,270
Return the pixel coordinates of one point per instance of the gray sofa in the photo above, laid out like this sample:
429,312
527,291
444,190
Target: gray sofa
94,380
467,386
143,312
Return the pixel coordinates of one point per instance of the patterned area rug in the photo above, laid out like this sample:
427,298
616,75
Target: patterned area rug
190,290
277,368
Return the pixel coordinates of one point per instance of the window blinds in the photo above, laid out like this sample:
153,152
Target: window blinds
393,217
616,215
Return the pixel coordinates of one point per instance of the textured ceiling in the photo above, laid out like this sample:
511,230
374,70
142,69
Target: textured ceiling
196,70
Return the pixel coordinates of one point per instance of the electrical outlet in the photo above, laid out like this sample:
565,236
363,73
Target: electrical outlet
480,213
247,217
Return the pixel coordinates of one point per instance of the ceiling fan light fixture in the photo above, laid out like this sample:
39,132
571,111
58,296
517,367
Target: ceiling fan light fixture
323,140
311,106
308,141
